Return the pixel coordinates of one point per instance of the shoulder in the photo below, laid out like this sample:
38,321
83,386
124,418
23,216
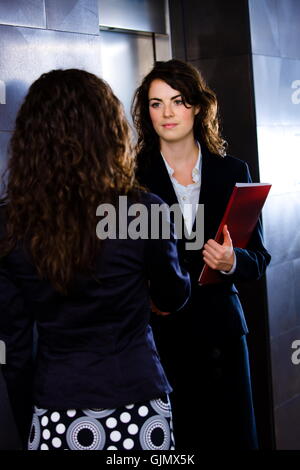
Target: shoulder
238,168
229,161
228,164
235,162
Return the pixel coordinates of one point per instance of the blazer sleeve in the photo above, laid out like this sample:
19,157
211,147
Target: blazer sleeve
169,283
251,262
16,333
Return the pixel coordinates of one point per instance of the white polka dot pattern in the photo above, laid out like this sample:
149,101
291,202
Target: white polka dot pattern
144,425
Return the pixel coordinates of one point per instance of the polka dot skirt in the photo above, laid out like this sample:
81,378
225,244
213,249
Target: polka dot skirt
139,426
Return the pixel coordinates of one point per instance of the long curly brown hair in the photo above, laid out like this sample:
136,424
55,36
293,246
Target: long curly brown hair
70,151
189,82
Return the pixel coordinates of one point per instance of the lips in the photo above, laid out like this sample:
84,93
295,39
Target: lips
170,125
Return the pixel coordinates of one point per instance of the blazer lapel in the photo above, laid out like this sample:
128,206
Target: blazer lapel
210,187
160,180
205,190
215,187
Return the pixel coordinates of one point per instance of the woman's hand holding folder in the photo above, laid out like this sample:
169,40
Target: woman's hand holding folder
219,256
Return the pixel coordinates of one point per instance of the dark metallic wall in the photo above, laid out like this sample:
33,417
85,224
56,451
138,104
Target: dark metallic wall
275,37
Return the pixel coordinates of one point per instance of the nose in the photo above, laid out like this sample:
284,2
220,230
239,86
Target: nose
168,110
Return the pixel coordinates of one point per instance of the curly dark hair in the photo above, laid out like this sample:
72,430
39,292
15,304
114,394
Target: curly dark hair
70,151
189,82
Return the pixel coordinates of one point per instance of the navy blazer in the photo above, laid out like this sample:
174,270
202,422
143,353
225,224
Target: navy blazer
95,347
214,308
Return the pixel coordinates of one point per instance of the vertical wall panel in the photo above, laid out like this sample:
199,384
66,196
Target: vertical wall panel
178,43
138,15
125,59
277,90
276,69
230,78
215,28
162,48
289,30
23,13
26,53
264,27
287,417
80,16
275,27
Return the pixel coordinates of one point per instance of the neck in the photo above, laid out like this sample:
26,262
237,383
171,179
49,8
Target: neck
180,153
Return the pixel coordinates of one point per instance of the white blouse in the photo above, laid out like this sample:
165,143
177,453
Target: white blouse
188,196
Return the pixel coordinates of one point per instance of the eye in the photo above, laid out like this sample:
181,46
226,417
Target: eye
178,102
155,104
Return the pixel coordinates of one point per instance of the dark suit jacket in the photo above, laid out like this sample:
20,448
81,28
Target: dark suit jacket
213,310
95,347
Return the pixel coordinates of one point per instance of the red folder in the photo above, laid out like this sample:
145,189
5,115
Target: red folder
241,216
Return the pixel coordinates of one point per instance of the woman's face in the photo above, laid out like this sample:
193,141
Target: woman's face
171,119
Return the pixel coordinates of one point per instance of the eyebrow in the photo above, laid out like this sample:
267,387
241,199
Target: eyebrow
159,99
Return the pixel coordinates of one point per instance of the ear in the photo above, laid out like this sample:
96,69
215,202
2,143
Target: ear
197,110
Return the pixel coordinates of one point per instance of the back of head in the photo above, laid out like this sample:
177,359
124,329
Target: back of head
72,127
69,152
185,78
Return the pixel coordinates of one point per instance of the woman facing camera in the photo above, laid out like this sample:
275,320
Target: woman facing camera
182,159
95,380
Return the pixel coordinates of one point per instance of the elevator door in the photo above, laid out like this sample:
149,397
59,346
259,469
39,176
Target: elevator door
127,57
